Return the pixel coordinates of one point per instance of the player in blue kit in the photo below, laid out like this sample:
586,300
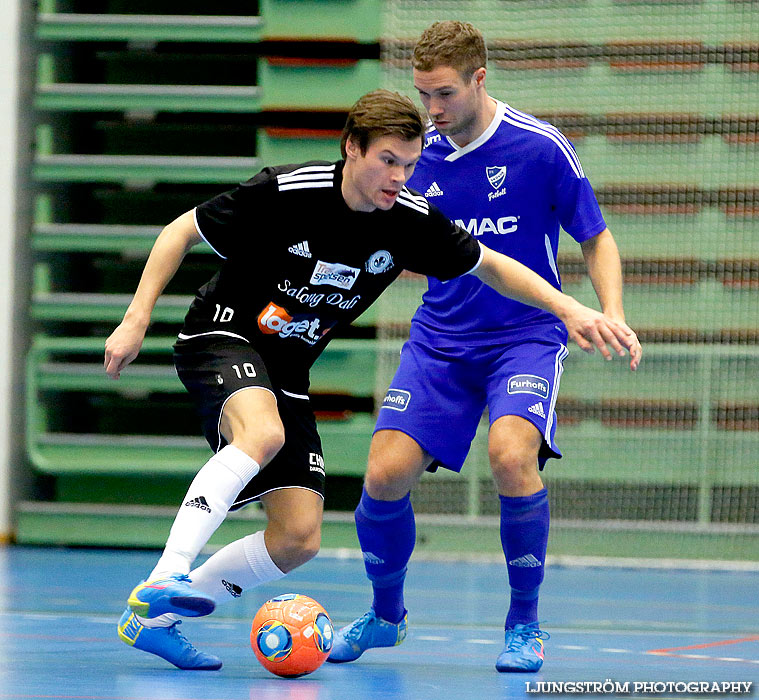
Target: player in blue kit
257,326
512,181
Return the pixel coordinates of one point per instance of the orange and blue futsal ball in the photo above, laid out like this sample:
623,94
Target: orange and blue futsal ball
291,635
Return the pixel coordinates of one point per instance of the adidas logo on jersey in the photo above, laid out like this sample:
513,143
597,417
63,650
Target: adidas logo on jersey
433,191
537,409
199,502
300,249
527,561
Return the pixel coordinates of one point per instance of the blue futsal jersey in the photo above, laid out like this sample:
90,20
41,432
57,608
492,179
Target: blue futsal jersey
512,188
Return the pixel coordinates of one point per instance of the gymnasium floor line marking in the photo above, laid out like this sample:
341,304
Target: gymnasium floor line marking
723,642
709,645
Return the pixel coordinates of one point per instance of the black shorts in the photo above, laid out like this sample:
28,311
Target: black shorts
215,367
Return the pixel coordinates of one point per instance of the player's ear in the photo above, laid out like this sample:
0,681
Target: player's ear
352,149
479,76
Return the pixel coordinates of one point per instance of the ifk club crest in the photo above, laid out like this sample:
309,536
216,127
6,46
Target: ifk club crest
496,176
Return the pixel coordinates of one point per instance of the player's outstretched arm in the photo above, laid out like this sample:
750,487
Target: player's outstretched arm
605,271
124,344
589,328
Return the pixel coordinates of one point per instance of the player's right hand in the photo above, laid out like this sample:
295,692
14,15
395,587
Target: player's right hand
122,346
591,329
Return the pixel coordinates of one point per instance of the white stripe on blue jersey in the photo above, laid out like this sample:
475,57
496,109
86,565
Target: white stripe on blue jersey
552,259
558,371
551,133
529,118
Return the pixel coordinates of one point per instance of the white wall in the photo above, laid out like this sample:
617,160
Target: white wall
9,122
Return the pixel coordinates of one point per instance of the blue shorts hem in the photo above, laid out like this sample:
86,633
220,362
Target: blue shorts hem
546,452
435,461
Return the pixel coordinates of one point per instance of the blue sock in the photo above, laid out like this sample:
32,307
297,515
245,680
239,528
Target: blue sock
387,533
524,536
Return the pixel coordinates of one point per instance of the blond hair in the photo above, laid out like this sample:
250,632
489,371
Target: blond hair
456,44
381,113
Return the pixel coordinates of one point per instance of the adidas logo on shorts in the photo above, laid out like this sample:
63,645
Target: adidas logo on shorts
537,409
433,190
301,249
199,502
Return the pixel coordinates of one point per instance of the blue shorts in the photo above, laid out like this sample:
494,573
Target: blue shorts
438,395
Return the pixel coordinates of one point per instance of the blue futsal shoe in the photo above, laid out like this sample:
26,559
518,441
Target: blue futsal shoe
167,642
524,649
169,595
368,632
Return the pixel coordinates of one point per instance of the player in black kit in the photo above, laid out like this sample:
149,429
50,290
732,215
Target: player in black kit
304,248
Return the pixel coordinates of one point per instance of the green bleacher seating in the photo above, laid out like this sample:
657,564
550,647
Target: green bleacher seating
345,368
347,20
316,84
61,26
83,97
681,159
76,167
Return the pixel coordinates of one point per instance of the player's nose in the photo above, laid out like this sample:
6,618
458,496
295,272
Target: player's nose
398,174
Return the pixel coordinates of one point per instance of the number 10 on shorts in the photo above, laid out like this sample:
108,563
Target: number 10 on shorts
247,368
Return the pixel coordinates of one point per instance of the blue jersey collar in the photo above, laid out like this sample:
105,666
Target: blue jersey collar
500,109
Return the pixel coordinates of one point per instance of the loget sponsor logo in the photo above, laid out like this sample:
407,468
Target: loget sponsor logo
274,320
479,227
336,274
431,139
396,399
528,384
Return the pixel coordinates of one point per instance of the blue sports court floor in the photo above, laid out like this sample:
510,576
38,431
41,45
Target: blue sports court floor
58,612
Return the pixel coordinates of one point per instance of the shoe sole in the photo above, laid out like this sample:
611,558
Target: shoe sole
341,661
512,669
187,606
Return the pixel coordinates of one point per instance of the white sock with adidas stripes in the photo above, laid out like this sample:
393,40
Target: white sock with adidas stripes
212,492
238,567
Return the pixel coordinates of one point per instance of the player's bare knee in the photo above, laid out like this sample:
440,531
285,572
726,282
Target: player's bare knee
514,470
386,484
298,544
261,441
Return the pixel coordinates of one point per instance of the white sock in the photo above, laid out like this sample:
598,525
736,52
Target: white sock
212,492
238,567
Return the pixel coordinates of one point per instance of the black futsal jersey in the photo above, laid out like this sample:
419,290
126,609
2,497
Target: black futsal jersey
298,262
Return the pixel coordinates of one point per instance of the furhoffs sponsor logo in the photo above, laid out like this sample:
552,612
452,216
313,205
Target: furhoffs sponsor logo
396,399
528,384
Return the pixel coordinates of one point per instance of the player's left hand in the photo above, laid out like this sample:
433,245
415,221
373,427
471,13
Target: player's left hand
591,329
